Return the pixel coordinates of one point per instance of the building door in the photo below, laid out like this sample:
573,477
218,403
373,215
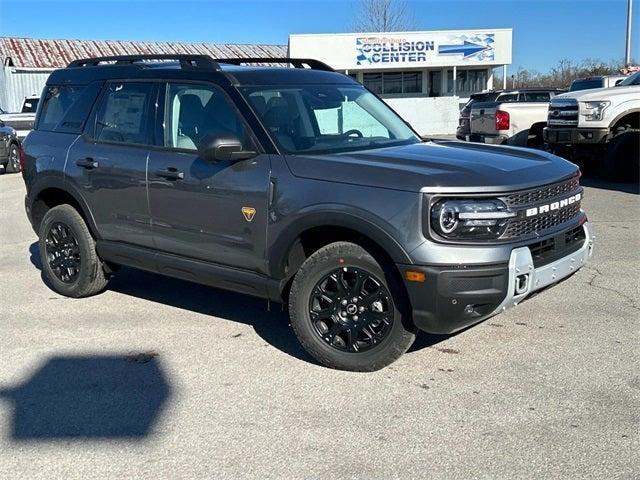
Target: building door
435,83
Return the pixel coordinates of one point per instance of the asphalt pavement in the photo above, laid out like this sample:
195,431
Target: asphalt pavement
159,378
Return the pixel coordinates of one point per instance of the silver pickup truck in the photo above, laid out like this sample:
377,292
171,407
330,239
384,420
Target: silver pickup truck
514,118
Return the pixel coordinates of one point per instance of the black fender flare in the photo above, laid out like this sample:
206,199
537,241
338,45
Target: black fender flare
56,181
278,252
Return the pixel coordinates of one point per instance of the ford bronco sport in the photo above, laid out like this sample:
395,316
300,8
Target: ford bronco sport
297,185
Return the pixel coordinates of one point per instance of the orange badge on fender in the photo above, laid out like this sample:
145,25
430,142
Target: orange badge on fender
249,213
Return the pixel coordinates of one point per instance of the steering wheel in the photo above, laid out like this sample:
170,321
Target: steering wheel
353,131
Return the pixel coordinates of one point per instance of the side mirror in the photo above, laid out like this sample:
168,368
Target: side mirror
224,147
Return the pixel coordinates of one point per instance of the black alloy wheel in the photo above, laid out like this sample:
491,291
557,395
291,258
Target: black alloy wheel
351,309
63,253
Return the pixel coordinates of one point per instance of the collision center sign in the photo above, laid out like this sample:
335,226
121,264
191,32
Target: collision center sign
405,49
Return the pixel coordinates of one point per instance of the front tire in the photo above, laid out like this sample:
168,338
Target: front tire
622,162
347,311
70,264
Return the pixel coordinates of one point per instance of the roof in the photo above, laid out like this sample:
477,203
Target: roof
47,53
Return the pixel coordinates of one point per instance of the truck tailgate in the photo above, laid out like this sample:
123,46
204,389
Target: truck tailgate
483,119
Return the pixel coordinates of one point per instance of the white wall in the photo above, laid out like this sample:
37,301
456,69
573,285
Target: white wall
428,115
16,84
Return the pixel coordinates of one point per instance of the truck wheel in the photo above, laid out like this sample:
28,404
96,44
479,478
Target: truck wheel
70,264
622,162
347,311
13,165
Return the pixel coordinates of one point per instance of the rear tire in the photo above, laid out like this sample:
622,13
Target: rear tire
13,165
70,264
348,312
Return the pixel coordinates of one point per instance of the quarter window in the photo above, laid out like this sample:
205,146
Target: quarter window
124,114
57,100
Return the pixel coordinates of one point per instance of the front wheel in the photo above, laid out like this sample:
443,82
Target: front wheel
13,165
347,311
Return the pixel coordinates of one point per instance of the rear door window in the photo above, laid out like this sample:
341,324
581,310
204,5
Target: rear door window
536,97
57,100
125,114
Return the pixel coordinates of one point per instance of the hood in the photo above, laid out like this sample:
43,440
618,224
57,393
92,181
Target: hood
443,166
595,94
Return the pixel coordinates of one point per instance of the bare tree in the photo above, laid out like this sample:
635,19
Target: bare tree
383,16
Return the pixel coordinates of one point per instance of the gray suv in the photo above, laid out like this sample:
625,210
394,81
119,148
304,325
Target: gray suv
297,185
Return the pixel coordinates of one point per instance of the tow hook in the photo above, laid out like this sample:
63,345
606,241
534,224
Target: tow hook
522,283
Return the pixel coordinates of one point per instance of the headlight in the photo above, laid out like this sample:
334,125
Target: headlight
472,219
595,110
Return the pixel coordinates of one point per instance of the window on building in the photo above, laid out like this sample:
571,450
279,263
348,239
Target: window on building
123,116
467,81
390,83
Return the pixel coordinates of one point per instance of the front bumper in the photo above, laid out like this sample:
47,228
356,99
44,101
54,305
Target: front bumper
573,136
453,298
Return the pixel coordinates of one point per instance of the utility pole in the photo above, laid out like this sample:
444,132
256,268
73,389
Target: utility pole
627,56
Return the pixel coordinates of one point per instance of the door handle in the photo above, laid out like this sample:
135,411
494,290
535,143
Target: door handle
170,173
87,163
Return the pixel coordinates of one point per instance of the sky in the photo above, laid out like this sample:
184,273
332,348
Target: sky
544,31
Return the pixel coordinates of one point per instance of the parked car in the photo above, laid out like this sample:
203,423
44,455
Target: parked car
514,118
463,131
9,149
297,185
22,122
602,81
601,125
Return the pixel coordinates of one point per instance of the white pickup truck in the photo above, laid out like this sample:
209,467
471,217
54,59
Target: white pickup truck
23,121
514,118
599,126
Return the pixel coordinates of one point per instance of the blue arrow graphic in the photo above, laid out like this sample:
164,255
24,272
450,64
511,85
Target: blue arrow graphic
466,49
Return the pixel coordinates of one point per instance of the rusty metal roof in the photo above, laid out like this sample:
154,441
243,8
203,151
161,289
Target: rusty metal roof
45,53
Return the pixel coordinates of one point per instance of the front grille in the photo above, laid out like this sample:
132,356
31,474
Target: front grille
538,225
538,195
563,113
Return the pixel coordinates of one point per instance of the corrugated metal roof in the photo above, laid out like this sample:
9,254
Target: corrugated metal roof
44,53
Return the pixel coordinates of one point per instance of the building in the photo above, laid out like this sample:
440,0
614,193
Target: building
424,76
27,62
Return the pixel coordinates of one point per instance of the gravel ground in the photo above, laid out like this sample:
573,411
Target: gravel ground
159,378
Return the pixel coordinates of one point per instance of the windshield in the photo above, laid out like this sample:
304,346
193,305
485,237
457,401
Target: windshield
327,118
632,80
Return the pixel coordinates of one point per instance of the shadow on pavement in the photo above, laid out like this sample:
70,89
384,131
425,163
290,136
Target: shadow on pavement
271,325
593,181
89,397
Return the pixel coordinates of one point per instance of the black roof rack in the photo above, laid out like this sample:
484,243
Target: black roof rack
186,61
204,62
296,62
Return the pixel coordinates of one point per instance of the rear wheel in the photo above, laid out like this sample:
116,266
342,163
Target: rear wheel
70,264
347,311
13,165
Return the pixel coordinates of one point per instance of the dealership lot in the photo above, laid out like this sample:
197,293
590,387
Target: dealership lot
159,378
